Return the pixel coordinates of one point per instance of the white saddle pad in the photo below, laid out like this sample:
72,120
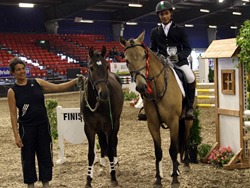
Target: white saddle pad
179,83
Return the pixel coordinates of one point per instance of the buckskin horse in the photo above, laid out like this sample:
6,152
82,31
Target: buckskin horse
162,101
101,108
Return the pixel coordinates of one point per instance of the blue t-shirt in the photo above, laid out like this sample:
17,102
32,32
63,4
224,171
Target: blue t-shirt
30,103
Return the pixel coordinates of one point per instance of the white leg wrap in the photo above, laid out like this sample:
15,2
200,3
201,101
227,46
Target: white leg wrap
103,162
90,171
115,160
160,169
111,166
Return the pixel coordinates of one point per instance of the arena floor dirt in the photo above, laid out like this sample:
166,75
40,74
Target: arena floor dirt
135,154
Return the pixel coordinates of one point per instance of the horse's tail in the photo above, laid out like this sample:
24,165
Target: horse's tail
182,142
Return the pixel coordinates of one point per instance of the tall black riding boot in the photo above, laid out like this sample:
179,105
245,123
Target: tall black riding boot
190,113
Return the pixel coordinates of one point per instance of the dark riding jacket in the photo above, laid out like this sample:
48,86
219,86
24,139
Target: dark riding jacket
177,36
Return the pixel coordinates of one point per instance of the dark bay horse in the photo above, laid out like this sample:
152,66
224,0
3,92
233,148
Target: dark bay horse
101,109
162,101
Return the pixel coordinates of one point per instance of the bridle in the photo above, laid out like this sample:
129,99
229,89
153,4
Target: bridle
137,72
146,56
95,91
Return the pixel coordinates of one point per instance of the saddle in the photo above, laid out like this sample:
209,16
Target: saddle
182,77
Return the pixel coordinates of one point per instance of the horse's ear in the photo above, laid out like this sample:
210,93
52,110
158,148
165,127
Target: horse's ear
104,51
122,41
91,51
141,36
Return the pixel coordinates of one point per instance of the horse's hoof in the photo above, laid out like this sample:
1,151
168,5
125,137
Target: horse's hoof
186,169
88,186
157,186
157,183
175,185
113,184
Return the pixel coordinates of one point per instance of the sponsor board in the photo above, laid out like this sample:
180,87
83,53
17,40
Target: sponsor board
5,72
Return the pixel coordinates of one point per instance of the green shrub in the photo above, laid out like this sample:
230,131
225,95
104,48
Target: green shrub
51,105
129,95
243,42
203,149
195,131
211,75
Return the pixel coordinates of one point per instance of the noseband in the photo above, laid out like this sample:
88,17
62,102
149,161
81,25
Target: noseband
96,82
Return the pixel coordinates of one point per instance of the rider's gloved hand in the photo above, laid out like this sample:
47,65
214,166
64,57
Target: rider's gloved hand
174,58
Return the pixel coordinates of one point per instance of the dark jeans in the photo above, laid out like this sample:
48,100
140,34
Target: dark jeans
37,140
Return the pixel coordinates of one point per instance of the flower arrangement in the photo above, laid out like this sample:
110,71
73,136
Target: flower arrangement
221,156
203,149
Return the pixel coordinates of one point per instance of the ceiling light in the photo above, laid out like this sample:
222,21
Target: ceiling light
204,10
212,26
236,13
131,23
220,1
233,27
134,5
246,0
189,25
26,5
87,21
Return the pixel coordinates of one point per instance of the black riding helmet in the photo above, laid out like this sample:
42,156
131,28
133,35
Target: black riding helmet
163,5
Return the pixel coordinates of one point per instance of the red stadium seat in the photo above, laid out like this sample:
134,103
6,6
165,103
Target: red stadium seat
33,73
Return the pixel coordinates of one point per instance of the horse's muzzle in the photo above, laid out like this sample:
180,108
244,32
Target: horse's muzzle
142,89
103,95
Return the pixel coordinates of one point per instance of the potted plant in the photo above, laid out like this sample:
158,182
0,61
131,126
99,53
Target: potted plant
221,156
195,138
211,75
203,150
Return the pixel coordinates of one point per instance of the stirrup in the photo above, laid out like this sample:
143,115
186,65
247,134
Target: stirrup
142,116
190,116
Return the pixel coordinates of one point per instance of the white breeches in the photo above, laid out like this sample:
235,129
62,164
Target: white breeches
188,72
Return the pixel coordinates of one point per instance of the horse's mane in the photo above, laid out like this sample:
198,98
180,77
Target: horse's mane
163,59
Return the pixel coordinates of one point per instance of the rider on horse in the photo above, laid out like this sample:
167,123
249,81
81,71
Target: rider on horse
169,34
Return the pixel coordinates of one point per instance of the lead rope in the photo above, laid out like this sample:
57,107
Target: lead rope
79,85
86,99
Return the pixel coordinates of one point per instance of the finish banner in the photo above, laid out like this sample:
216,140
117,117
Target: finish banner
5,72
